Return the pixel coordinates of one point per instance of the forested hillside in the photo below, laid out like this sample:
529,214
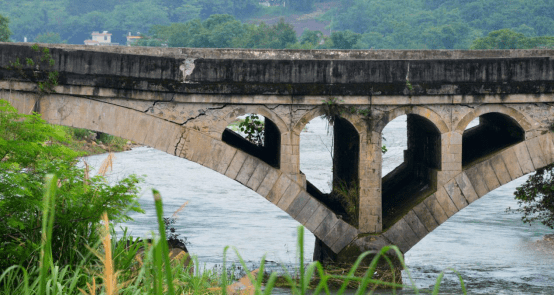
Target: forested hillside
361,24
448,24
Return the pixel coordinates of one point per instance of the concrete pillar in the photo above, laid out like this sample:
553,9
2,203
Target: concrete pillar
451,157
370,215
290,157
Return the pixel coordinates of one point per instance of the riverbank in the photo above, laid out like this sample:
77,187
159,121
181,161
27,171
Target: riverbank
88,143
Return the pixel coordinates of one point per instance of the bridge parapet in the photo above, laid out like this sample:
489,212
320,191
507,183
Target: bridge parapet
469,78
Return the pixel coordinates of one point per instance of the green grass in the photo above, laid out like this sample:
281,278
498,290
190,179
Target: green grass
129,266
78,139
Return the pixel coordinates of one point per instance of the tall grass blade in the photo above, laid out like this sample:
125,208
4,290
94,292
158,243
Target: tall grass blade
165,248
10,274
462,285
439,279
47,225
300,247
224,273
438,283
158,257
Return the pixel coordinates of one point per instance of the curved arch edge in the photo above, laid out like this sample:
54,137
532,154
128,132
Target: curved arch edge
235,112
416,110
520,118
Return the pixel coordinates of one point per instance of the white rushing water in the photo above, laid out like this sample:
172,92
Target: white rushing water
492,249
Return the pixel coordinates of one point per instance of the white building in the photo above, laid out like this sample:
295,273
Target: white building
103,38
133,39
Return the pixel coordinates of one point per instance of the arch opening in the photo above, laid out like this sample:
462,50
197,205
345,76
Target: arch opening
329,157
415,179
257,136
494,132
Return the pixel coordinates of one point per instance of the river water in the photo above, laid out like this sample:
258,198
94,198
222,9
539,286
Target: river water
492,249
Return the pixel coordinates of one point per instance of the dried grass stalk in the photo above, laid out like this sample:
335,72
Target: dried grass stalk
87,171
179,210
107,163
110,277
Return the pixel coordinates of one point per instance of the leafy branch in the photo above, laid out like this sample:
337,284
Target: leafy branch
254,129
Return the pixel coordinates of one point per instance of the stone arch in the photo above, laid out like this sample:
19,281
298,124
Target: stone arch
350,133
421,164
274,129
237,111
499,127
356,121
271,183
466,187
416,110
520,118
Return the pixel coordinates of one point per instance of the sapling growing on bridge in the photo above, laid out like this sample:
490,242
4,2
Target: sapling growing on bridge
254,129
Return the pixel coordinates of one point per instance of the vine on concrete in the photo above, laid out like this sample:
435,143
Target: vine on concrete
42,73
333,109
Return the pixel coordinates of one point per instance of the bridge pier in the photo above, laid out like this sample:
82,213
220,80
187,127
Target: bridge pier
371,213
290,157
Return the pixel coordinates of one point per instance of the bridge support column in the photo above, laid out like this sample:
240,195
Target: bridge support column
451,157
370,207
290,157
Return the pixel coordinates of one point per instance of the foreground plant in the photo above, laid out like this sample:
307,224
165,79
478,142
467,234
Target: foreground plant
119,272
29,150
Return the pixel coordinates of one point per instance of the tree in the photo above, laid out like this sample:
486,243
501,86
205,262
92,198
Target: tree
311,37
279,36
500,39
136,16
344,39
29,150
449,36
536,197
5,32
53,38
509,39
300,5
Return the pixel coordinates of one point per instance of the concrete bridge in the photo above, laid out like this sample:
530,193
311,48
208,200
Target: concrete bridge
181,100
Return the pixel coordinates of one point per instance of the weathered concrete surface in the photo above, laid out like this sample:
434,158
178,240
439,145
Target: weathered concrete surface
181,100
125,73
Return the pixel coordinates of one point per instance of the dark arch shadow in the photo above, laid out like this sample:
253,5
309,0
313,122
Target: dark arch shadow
343,199
495,132
414,179
269,149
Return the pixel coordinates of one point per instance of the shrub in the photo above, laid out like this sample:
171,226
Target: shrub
29,150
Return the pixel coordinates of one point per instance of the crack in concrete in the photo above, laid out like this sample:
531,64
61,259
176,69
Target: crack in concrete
129,108
152,107
202,112
178,142
279,105
305,109
467,106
